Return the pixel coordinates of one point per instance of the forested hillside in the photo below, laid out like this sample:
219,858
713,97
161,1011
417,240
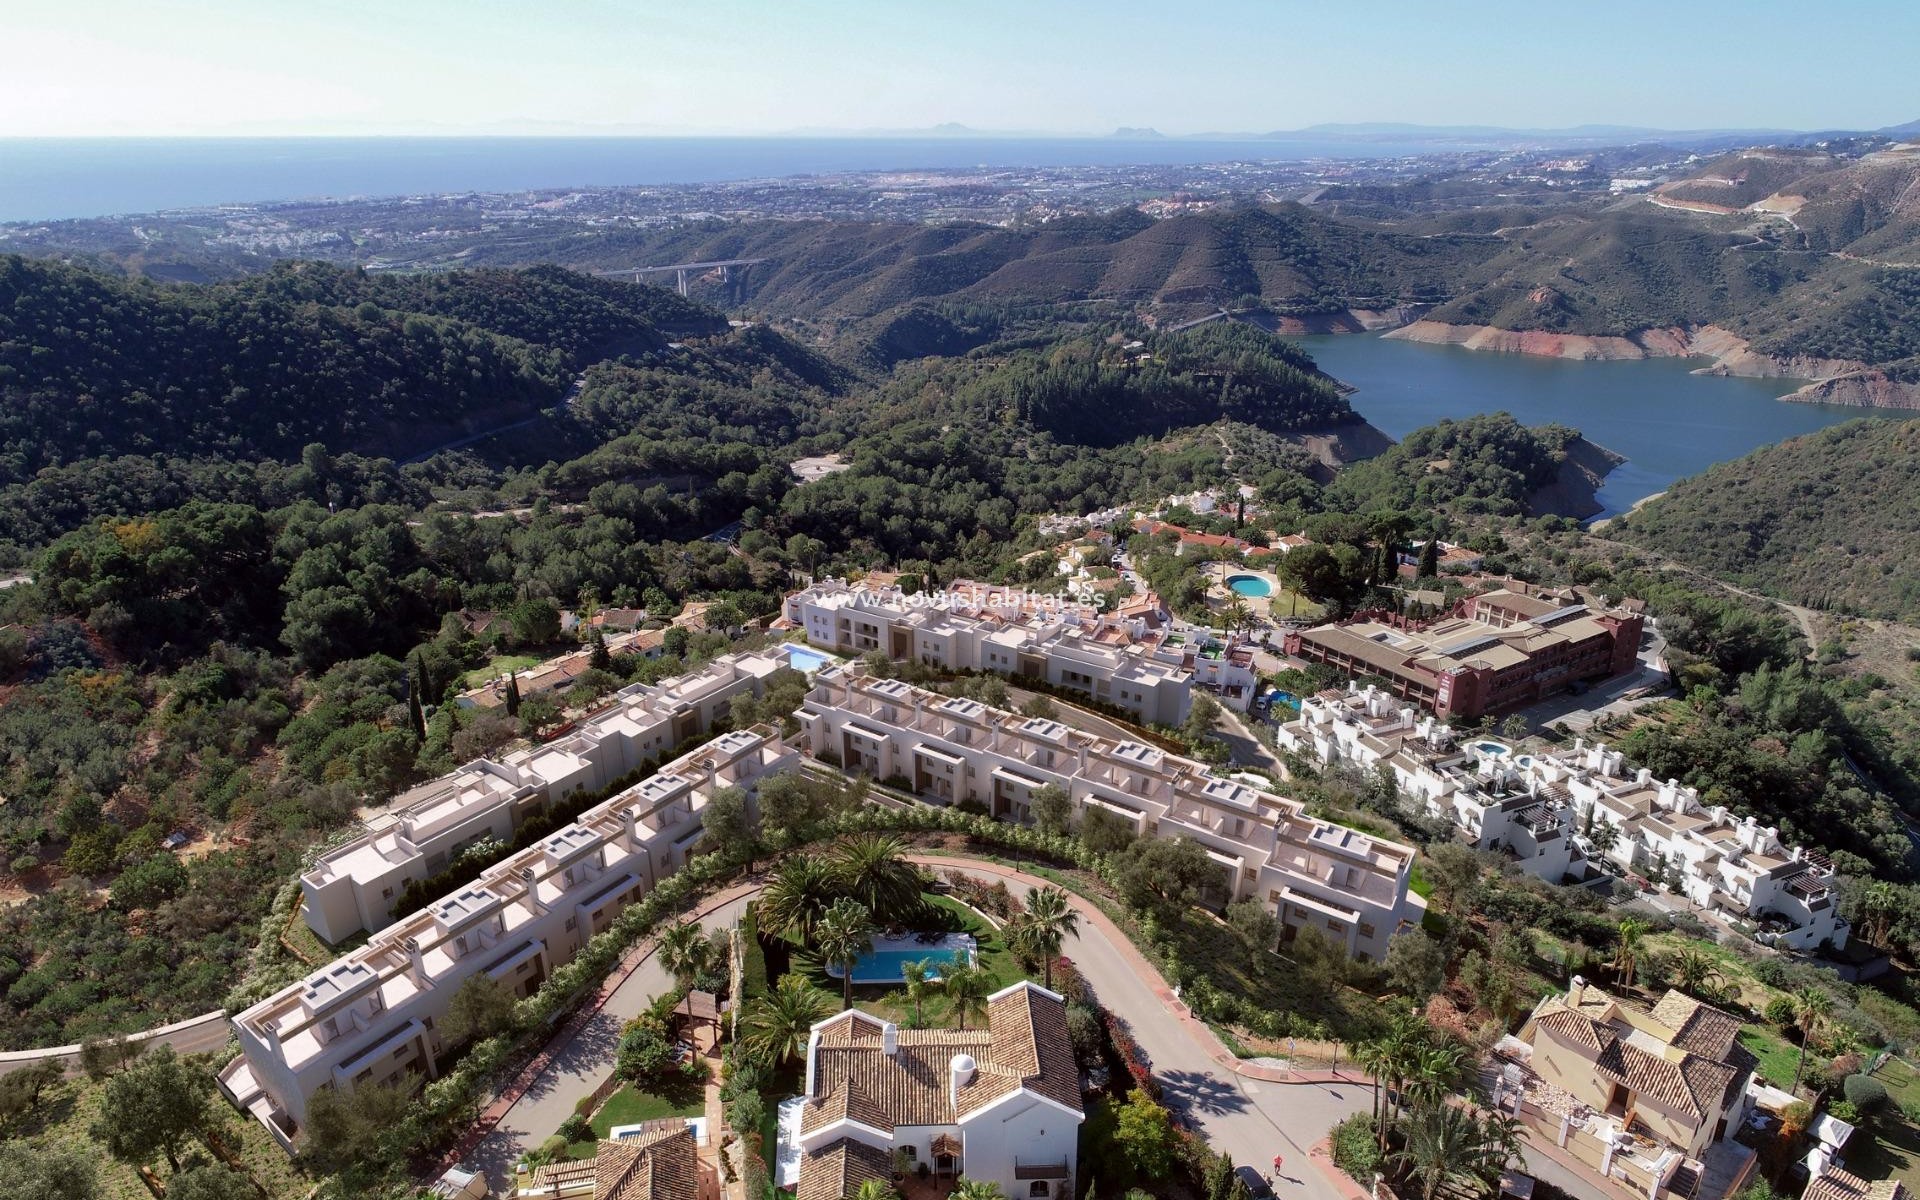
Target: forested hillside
1830,520
1486,465
96,365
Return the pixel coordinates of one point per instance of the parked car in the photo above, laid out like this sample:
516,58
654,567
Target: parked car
1257,1185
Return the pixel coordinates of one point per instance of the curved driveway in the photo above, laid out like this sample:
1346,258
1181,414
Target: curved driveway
1251,1120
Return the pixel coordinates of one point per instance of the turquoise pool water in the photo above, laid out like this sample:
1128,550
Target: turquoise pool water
1250,585
805,660
889,966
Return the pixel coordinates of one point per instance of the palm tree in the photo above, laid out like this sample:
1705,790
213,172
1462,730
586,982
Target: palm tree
779,1024
872,869
1811,1006
1626,951
1372,1057
800,892
1603,836
1446,1144
1400,1050
1694,972
976,1189
1879,904
1051,920
967,989
876,1189
685,952
842,935
1436,1068
914,975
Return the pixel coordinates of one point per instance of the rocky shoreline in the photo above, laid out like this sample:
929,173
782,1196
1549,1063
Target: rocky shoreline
1831,380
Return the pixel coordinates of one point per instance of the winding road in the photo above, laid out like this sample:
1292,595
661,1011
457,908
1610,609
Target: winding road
1248,1118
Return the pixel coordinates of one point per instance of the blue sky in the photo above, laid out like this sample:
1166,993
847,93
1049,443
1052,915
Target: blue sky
87,67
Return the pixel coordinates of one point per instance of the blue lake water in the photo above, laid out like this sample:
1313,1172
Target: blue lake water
1668,422
58,178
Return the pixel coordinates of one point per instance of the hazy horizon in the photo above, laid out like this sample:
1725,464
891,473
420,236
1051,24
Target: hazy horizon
866,68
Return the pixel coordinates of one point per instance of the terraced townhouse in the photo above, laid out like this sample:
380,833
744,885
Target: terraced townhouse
1308,872
1545,811
354,886
372,1016
1134,657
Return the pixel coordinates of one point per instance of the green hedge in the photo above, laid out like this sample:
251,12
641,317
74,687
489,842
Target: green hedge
753,958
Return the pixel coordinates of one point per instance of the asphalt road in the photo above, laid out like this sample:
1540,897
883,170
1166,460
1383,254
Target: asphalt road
1250,1120
1247,1119
580,1067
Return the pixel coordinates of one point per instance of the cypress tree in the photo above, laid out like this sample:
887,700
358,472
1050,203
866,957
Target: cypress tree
1430,558
419,716
513,696
599,658
421,688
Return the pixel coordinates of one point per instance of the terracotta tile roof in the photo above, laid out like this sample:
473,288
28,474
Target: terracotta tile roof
660,1164
1690,1083
836,1171
1837,1184
558,1175
1699,1028
1025,1045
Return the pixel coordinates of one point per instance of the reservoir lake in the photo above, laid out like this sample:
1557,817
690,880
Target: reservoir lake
1668,422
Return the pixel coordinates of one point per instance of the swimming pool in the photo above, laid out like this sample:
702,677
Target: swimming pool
1492,749
805,660
887,961
1250,585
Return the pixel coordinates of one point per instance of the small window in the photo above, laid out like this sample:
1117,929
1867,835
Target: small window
402,1052
386,893
363,1077
427,1022
1273,897
913,1152
521,969
1037,1188
1366,930
571,922
1333,925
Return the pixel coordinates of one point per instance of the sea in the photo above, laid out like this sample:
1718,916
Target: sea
46,179
1667,421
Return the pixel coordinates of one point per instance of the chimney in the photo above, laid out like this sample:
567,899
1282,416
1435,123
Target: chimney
889,1039
533,890
960,1071
1575,987
630,827
1644,777
416,962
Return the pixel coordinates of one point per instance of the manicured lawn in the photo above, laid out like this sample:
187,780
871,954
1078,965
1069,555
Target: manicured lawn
499,665
1888,1150
1775,1053
890,1001
630,1106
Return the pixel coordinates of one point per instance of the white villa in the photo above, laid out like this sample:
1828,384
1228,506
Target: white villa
1133,657
1547,812
354,886
1307,871
999,1104
370,1016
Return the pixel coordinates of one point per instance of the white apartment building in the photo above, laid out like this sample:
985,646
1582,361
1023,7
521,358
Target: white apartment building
354,886
1547,811
1133,657
1308,872
370,1016
999,1104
